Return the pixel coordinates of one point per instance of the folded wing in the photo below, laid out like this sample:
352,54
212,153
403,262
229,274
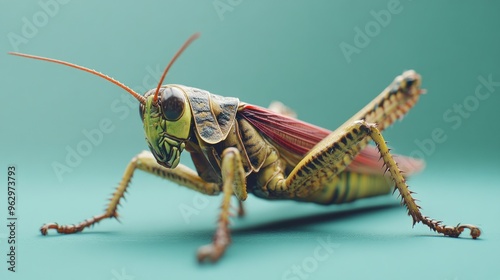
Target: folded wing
298,137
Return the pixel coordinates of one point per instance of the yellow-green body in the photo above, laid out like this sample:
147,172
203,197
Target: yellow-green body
217,125
235,154
265,164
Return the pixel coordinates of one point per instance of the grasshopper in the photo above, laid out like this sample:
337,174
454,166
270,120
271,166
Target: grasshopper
239,148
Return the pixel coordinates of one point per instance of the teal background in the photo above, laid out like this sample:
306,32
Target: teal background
259,51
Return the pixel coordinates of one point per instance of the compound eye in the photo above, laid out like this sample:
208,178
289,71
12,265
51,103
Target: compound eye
172,103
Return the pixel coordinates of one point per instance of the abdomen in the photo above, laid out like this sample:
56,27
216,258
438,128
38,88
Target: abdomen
349,186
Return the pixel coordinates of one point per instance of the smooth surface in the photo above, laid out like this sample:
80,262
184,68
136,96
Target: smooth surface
258,51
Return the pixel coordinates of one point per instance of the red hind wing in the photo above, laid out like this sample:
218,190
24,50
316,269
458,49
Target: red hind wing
299,137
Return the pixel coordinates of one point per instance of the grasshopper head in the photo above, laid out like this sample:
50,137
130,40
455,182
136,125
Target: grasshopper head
167,123
165,111
167,118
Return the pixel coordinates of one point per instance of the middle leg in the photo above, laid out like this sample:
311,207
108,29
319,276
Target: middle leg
233,177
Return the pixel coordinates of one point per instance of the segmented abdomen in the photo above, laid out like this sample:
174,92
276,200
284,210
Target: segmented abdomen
349,186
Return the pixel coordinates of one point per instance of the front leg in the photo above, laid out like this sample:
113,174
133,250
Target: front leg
144,161
233,178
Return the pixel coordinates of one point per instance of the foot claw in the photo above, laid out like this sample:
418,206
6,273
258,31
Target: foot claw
209,253
45,228
475,232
